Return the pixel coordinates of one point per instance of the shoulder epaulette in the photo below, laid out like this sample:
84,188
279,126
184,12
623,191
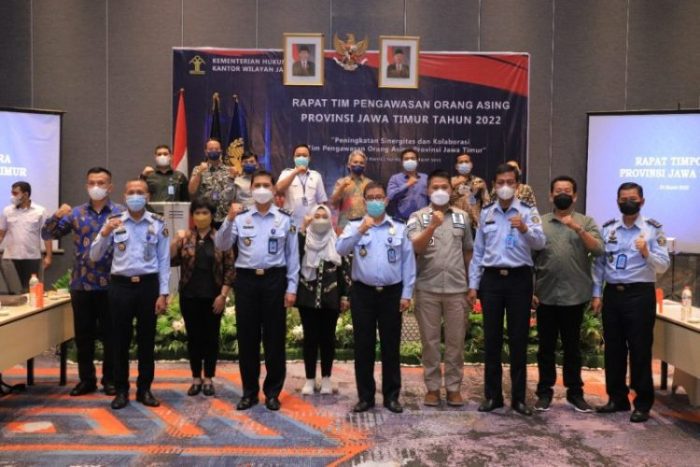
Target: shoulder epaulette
610,222
396,219
157,217
285,212
244,211
488,205
527,205
654,223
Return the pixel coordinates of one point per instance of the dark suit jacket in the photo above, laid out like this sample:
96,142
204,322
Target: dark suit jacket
392,72
297,70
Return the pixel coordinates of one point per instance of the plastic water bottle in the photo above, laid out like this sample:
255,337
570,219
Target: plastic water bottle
686,303
33,282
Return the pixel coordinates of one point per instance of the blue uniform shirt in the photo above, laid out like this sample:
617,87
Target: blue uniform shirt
140,247
622,263
498,245
382,256
264,241
85,223
407,200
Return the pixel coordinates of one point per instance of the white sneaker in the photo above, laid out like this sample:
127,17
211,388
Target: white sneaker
326,385
308,388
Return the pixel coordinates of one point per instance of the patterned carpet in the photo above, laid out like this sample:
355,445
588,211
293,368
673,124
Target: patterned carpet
45,426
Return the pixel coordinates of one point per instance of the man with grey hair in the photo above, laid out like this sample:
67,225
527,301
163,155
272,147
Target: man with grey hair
347,195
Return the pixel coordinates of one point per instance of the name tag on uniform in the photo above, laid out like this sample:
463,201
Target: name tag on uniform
120,236
272,246
621,262
391,255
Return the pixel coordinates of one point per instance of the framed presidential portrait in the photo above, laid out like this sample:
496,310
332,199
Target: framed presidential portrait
303,59
398,61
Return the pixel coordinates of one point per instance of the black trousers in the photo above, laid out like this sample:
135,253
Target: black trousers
554,321
511,295
91,321
372,309
203,327
25,268
629,314
319,334
260,315
126,302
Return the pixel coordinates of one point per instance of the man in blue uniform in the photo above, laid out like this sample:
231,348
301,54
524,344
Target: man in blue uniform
407,191
383,274
138,287
267,274
501,270
624,277
89,279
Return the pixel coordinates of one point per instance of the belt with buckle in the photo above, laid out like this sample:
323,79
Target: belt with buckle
505,272
378,288
258,271
631,286
132,279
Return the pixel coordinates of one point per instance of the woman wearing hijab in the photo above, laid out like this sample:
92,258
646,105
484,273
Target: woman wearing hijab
206,276
322,294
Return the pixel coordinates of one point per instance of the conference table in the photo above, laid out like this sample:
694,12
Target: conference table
27,331
678,343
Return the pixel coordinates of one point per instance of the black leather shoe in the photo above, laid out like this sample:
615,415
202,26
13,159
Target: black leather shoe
612,407
362,406
120,401
521,408
194,390
489,405
109,389
246,402
272,403
639,416
208,390
393,405
147,399
83,388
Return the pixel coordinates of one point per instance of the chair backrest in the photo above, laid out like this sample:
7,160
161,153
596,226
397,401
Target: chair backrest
9,279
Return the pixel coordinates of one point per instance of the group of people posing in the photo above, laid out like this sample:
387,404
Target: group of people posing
440,241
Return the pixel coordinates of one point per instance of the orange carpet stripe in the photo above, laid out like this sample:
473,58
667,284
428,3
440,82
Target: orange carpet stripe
177,426
226,410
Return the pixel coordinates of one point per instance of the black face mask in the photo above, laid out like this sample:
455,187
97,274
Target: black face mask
563,201
629,207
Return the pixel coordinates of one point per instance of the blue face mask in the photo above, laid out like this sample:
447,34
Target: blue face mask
249,168
135,202
410,165
213,155
357,169
301,161
375,207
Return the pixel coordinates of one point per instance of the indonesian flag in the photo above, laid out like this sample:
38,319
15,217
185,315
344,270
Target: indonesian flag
180,139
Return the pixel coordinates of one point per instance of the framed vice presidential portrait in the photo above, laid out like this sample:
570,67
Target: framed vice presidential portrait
398,61
303,59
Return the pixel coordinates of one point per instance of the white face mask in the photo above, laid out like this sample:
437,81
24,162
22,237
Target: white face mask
16,200
505,192
464,168
440,197
262,195
163,161
320,226
97,193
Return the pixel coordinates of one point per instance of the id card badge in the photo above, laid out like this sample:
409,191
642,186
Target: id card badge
272,246
391,255
621,262
171,190
510,240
